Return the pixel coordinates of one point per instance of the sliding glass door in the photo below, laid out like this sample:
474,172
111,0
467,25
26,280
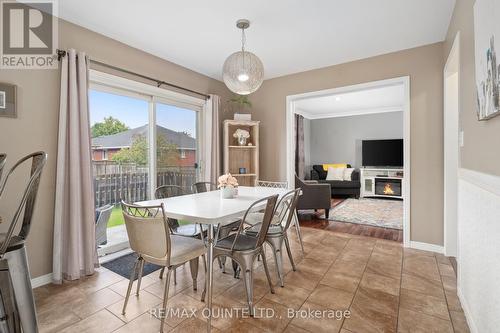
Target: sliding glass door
176,145
120,143
143,137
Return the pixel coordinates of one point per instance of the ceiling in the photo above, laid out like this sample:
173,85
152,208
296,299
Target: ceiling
288,35
374,100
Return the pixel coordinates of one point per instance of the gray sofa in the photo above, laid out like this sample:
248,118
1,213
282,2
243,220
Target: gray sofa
338,187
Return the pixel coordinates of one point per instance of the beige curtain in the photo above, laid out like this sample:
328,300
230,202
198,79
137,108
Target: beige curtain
212,139
74,254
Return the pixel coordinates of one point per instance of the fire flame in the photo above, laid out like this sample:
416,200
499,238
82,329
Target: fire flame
388,189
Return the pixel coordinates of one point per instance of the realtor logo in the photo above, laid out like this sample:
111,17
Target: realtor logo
28,34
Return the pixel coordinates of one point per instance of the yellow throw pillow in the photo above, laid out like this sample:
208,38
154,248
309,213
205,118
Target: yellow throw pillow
338,165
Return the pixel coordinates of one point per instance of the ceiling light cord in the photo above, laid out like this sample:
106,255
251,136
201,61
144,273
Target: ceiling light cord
243,42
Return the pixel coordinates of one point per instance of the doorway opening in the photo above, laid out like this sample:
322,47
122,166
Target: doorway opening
380,159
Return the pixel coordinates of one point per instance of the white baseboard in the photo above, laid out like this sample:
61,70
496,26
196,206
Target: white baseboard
41,280
427,247
467,313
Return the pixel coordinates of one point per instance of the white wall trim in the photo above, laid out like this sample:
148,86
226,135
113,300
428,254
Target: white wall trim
41,280
485,181
291,110
467,313
427,247
348,113
451,128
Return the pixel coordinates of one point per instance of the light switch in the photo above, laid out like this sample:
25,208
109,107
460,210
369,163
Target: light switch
461,138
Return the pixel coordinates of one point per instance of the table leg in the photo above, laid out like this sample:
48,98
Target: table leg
210,272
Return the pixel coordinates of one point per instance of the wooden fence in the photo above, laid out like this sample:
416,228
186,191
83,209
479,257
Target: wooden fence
114,182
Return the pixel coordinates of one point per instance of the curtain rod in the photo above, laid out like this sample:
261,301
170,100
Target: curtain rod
61,54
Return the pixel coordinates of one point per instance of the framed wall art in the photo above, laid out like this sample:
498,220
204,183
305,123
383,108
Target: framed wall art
8,94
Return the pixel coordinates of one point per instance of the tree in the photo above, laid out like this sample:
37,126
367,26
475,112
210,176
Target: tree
109,126
167,153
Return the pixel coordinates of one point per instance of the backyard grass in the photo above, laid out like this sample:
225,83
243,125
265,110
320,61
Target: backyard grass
116,217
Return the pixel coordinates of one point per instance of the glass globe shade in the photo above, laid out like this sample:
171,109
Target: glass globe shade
243,72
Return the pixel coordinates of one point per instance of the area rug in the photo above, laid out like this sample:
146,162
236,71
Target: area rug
376,212
124,265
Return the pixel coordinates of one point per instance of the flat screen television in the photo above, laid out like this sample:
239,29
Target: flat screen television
382,153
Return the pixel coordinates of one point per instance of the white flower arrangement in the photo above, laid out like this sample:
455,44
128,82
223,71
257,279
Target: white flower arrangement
227,180
241,133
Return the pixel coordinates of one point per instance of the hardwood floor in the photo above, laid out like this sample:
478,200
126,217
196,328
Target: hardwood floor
312,220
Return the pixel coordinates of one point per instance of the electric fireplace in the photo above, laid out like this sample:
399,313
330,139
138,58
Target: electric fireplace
388,186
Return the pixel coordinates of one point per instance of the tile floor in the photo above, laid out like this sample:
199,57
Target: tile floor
385,289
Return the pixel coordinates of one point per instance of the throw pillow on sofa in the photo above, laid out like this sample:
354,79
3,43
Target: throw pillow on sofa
348,174
335,174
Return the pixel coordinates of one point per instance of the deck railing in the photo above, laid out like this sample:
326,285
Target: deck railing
130,182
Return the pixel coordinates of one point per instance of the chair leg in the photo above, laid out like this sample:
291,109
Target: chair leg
175,276
204,285
17,262
297,229
161,272
247,269
220,262
268,275
287,245
277,245
131,281
165,299
139,278
327,213
193,265
236,269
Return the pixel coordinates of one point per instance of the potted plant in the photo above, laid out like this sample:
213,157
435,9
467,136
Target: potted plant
228,186
241,106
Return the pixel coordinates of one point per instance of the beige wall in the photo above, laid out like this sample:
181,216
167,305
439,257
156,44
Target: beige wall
482,139
36,125
424,65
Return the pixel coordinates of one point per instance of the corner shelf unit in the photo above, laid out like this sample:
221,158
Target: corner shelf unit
237,157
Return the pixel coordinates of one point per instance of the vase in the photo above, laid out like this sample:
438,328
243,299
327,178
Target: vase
242,141
227,192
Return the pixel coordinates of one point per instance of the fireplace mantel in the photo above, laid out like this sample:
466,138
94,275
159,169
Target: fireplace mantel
392,179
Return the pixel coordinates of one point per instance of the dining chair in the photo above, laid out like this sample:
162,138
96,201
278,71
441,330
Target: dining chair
190,230
201,187
151,239
221,231
187,230
17,305
277,233
283,185
101,225
244,249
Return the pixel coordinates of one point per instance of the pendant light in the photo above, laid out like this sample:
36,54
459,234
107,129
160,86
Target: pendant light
243,71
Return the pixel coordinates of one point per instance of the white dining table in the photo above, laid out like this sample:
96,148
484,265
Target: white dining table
211,209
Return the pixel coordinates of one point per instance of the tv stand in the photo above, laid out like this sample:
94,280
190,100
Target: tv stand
382,182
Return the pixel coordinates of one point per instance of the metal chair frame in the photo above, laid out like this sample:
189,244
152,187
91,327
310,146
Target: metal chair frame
285,211
246,258
3,159
153,212
284,185
168,191
13,258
